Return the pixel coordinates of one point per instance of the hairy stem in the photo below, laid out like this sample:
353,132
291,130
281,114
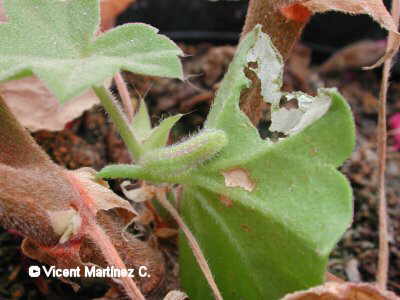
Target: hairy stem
113,259
88,213
125,97
194,245
383,259
284,34
119,119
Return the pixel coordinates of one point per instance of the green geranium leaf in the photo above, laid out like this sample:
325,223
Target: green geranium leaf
56,41
266,214
141,123
159,135
152,138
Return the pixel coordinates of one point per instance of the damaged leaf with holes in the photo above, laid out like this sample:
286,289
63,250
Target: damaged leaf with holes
293,206
266,214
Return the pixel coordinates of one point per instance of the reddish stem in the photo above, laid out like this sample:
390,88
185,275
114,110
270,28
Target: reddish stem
125,97
113,259
88,212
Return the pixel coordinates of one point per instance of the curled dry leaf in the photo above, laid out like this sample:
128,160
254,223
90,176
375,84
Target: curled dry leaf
357,55
68,218
32,103
343,291
374,8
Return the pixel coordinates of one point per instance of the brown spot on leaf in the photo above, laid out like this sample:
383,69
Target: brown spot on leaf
313,151
239,177
226,200
245,227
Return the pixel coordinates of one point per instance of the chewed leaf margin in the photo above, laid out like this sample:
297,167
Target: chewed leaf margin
277,227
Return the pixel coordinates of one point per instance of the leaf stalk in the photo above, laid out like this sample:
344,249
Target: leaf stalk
120,120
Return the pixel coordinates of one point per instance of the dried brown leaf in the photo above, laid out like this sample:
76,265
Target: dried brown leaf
98,189
374,8
343,291
37,109
357,55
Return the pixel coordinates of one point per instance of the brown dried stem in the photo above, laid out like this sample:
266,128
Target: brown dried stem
194,245
284,34
383,259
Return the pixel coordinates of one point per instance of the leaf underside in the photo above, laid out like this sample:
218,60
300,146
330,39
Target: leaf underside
56,41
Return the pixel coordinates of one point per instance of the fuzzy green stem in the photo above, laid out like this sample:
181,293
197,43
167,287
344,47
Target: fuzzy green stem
122,171
120,120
